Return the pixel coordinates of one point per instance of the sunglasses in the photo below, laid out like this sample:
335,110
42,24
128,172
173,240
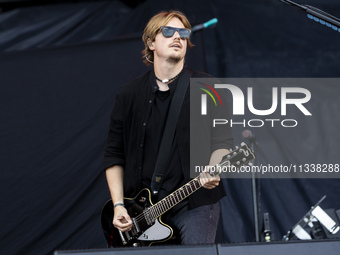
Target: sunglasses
184,33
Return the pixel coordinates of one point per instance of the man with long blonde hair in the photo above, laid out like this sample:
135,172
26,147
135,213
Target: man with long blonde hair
137,125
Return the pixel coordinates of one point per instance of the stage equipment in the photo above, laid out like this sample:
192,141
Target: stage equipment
316,224
313,247
248,135
318,15
204,25
267,235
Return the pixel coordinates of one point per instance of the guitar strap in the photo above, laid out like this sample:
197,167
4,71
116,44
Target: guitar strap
169,131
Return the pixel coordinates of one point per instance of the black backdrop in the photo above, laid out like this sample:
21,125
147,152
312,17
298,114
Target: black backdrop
60,67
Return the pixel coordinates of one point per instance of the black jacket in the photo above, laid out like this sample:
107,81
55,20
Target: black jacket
127,132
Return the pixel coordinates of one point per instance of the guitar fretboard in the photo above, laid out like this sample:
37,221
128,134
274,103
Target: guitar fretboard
235,158
174,198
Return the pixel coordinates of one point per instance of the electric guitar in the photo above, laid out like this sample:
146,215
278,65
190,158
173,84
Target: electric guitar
147,226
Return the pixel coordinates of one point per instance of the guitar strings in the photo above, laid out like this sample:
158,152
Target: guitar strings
141,218
158,206
164,204
171,198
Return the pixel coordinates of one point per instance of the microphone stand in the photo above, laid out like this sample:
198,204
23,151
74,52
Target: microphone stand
204,25
254,192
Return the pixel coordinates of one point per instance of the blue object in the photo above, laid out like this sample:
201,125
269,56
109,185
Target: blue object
322,22
210,22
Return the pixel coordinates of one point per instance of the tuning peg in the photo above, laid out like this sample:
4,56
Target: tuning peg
234,153
244,159
236,147
238,163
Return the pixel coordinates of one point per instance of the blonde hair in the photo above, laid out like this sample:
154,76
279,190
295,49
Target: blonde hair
153,28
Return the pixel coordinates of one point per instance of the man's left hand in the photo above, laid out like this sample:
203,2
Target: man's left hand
208,181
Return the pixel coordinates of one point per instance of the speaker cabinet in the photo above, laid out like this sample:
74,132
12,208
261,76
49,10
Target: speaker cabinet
312,247
153,250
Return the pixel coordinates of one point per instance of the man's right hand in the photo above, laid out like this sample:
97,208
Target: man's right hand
121,219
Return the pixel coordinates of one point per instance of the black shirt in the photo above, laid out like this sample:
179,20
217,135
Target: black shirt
129,135
153,137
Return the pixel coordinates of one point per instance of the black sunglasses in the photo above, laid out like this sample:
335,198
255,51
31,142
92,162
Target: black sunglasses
184,33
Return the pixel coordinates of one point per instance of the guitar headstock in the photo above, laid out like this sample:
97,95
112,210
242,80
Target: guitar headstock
239,156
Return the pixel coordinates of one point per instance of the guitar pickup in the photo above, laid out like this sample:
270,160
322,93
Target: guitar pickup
148,217
136,225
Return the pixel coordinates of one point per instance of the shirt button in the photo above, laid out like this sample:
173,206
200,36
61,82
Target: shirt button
156,87
144,124
150,101
141,145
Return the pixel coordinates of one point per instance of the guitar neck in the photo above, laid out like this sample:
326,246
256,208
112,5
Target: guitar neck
174,198
234,158
180,194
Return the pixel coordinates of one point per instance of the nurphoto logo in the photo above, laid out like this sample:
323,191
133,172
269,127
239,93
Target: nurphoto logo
240,101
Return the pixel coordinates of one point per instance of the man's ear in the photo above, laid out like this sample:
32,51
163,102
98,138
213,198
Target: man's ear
151,44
